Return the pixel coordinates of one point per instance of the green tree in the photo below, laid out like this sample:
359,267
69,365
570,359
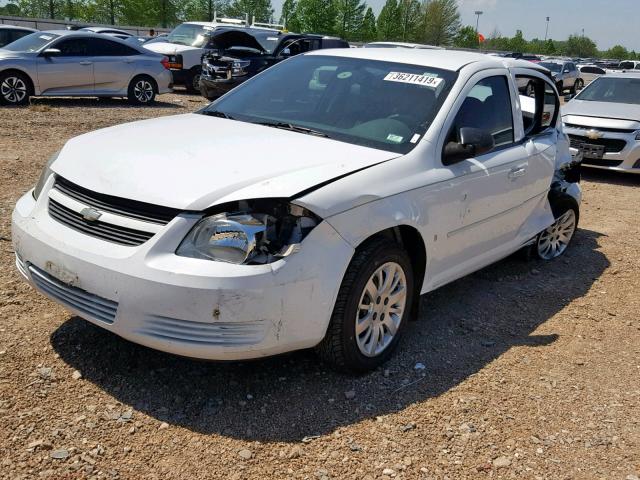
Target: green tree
350,14
288,12
261,10
10,9
203,10
618,51
409,17
387,25
440,22
518,43
466,38
367,32
318,16
580,46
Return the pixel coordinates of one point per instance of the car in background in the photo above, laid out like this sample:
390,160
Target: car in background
114,32
400,45
185,45
565,74
603,122
235,55
292,213
10,33
77,63
589,72
523,56
629,65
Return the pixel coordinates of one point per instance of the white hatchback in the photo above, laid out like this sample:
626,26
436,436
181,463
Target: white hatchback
309,207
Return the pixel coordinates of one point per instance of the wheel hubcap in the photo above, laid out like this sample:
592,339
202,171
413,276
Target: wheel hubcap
381,308
196,81
143,91
13,89
555,239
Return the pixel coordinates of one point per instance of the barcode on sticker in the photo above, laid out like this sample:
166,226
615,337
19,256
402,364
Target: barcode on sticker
413,78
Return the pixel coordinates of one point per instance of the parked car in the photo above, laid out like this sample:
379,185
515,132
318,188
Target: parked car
588,73
235,55
185,45
75,63
308,207
9,34
400,45
629,65
603,122
565,75
114,32
524,56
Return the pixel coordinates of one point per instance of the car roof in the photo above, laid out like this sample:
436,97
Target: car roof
406,45
18,27
445,59
102,29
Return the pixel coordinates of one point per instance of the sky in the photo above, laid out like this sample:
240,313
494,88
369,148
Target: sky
607,22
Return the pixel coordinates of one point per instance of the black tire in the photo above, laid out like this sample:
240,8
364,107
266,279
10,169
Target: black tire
193,80
339,347
15,88
530,90
560,204
142,90
580,84
574,88
560,87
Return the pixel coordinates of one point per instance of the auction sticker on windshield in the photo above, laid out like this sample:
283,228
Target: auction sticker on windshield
415,79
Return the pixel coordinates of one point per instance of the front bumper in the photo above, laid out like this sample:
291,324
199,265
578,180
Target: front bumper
625,160
212,87
190,307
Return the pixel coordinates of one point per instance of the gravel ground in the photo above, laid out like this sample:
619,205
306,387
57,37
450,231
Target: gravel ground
522,370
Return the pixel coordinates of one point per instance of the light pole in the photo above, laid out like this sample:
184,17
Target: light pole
478,13
546,32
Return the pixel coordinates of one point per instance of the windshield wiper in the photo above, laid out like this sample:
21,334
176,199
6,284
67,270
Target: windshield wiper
217,113
293,128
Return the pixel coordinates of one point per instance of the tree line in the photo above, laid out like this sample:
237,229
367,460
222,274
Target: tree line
434,22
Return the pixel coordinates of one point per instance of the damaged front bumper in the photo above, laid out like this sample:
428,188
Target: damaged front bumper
186,306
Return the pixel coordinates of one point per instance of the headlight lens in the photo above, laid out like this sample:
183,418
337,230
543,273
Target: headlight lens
248,237
44,176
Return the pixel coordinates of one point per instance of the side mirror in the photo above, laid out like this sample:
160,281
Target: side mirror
51,52
473,142
566,70
286,52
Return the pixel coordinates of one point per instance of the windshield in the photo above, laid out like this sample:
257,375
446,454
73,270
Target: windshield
612,90
31,43
383,105
189,34
554,67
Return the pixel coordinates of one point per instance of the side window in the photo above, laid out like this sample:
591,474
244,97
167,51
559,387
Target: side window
73,47
106,48
638,66
540,110
487,107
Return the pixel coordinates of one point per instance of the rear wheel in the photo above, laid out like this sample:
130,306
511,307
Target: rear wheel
579,84
193,80
372,308
554,240
142,90
15,88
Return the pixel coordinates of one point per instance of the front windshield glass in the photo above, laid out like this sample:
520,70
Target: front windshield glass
189,34
554,67
32,42
612,90
383,105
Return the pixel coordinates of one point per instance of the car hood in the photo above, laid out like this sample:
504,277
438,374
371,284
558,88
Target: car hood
192,161
166,48
235,38
602,110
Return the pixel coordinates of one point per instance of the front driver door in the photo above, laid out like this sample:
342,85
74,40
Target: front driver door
70,72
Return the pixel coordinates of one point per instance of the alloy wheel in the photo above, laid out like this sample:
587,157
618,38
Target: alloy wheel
143,91
554,240
381,308
13,89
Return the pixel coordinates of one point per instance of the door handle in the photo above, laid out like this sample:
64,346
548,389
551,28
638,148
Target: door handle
86,62
517,172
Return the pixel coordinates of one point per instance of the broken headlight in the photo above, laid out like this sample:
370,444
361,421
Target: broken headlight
44,176
252,234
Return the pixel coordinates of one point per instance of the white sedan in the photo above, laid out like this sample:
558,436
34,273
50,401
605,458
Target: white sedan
309,207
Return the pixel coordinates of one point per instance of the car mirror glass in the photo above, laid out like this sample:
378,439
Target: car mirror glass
473,142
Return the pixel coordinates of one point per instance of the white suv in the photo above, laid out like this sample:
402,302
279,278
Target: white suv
309,207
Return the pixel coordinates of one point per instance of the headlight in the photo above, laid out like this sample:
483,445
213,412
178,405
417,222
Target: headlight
638,136
44,176
256,233
240,68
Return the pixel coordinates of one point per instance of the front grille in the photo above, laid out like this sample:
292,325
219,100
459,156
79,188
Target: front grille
86,303
120,206
600,129
200,333
611,145
105,231
601,162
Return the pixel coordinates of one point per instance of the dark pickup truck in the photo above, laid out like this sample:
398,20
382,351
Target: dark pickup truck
235,55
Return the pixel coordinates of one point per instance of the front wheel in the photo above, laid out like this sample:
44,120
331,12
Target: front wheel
141,91
554,240
579,84
15,89
372,308
193,80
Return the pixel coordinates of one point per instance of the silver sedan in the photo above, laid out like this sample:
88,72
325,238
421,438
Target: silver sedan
67,63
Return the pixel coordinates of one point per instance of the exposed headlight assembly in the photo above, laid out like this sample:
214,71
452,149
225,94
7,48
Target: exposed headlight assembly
44,176
252,232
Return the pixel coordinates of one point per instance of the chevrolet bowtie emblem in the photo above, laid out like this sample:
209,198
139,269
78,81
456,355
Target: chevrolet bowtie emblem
90,214
593,134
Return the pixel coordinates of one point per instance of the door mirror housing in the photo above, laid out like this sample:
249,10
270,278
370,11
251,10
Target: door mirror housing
285,52
51,52
473,142
566,70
